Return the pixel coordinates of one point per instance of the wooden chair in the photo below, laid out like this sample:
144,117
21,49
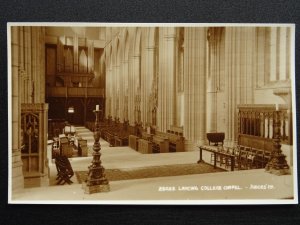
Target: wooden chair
267,158
259,159
64,170
228,159
243,159
236,153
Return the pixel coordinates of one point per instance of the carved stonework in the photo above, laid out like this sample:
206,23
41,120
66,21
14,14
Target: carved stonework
34,144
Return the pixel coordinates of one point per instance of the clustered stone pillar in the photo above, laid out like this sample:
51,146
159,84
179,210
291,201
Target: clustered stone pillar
194,86
166,79
239,72
136,85
125,90
37,91
96,180
214,37
108,89
147,83
17,174
130,92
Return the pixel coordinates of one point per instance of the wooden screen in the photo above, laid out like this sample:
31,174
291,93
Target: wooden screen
256,126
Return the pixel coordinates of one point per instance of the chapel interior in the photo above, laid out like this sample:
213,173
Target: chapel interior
159,93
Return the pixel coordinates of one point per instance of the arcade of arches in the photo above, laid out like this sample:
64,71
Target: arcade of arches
195,80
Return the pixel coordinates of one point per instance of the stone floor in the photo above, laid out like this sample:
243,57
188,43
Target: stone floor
238,187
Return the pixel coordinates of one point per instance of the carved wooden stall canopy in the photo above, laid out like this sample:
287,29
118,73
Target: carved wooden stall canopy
34,142
256,125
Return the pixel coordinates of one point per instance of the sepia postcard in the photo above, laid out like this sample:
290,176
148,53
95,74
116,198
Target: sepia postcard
162,113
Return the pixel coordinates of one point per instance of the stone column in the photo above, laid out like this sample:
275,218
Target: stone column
109,89
21,64
17,173
147,80
34,65
124,85
113,90
214,36
240,72
136,83
108,92
28,65
121,92
41,71
114,94
261,56
194,87
26,72
131,91
273,49
37,91
166,115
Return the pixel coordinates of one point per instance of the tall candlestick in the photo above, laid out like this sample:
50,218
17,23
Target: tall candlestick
96,180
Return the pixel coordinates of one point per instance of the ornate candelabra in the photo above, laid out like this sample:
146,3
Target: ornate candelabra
277,164
96,180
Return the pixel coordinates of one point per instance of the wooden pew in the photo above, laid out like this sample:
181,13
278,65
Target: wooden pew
133,142
161,140
144,146
175,143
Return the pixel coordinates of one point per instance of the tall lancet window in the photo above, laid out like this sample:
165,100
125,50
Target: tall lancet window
68,60
83,61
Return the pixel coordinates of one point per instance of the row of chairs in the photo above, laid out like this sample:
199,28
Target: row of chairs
245,157
252,158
